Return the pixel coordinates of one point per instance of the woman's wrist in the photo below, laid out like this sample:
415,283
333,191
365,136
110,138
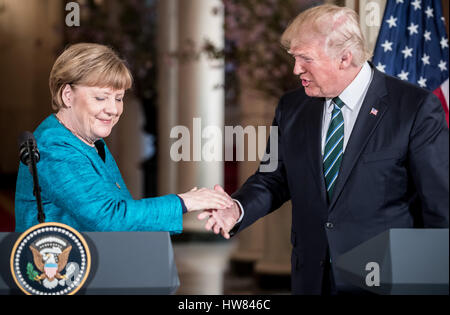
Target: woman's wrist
183,205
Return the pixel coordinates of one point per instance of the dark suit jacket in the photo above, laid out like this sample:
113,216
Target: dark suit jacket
394,161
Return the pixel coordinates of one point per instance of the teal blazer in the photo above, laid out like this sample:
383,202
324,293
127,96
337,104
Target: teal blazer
83,191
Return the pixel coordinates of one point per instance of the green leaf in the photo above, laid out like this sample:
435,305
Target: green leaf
31,272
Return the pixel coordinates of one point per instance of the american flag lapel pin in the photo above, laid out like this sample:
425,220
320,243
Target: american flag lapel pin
374,111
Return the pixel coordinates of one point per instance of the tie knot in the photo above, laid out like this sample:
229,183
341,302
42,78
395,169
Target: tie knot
338,102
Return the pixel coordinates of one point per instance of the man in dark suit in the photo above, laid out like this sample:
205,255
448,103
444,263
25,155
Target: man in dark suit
358,152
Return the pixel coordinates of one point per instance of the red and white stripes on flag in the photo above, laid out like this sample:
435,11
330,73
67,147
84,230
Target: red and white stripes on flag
442,93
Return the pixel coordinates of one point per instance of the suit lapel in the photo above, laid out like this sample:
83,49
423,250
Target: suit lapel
365,125
315,109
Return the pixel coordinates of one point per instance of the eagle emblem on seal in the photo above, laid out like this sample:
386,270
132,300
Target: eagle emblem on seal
51,262
50,256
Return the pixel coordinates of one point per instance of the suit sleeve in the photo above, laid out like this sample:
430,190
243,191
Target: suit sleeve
73,184
428,157
267,189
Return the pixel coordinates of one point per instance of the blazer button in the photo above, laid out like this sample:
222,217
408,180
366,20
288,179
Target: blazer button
329,225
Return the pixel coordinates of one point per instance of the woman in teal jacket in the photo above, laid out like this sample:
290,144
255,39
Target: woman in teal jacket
81,183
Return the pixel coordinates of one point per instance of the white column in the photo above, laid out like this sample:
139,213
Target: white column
167,93
198,95
371,15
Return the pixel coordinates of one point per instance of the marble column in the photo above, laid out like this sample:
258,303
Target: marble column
371,15
192,95
167,93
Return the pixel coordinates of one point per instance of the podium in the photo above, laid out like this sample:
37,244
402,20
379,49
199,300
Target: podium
409,261
122,263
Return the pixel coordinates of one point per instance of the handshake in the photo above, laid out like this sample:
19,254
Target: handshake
222,211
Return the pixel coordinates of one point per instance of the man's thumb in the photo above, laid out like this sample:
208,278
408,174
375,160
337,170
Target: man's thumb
218,188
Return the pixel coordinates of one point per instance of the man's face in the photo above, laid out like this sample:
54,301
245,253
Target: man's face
318,72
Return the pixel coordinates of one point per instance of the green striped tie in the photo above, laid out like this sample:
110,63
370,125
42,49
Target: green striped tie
334,147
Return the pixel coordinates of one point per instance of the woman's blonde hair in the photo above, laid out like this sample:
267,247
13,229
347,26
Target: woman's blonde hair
339,26
88,64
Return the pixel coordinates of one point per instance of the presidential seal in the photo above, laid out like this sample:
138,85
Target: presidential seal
50,259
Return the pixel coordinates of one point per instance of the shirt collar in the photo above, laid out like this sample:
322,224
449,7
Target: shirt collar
355,90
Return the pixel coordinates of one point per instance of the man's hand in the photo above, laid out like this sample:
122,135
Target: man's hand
221,220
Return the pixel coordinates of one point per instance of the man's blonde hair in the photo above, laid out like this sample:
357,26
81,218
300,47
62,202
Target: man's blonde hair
88,64
339,26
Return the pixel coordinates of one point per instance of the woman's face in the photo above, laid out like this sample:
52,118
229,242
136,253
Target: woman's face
93,111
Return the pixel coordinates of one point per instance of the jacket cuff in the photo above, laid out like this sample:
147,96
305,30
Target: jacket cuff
183,206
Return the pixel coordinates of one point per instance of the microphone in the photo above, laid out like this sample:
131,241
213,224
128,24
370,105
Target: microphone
28,148
29,155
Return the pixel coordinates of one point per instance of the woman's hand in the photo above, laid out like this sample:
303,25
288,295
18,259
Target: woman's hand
200,199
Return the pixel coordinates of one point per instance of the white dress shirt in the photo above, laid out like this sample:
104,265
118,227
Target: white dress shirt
353,97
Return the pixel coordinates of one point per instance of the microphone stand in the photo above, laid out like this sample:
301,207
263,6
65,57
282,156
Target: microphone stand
36,187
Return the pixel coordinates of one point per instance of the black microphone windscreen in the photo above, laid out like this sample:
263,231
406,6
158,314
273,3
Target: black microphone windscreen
27,146
25,136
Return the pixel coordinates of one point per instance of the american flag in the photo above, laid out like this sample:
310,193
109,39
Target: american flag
413,45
